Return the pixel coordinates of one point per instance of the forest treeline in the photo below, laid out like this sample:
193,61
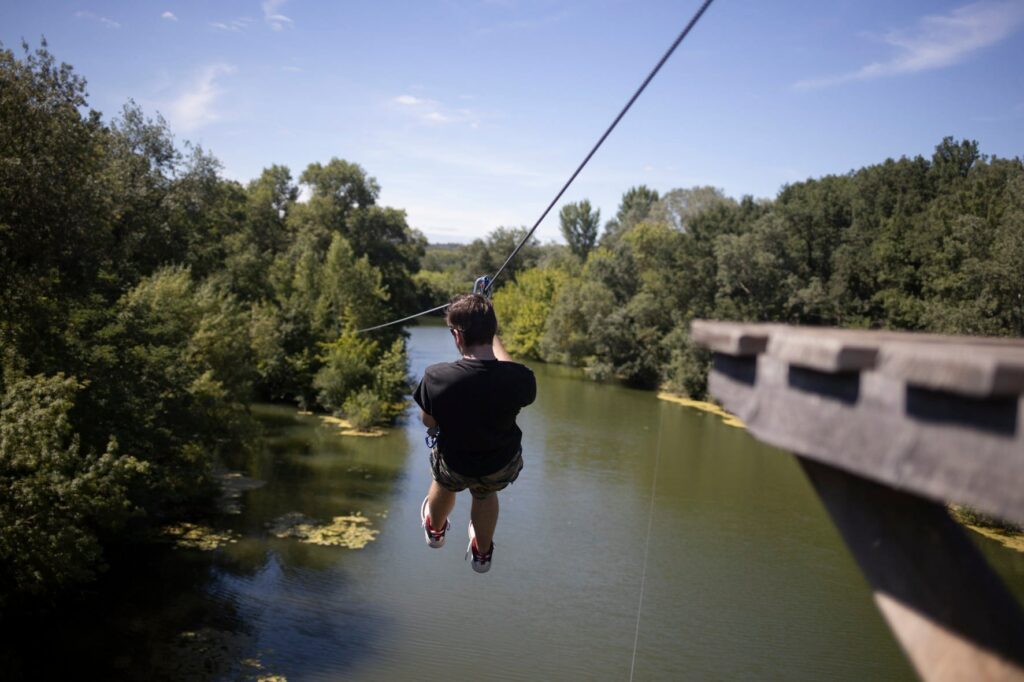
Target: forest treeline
911,244
145,301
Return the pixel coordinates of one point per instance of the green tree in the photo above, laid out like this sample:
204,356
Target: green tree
351,291
344,201
55,234
580,224
57,500
269,200
523,308
679,206
383,236
347,368
339,188
391,382
145,300
484,257
635,207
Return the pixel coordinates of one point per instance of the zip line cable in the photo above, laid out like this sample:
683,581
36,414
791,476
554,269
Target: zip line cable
404,319
693,22
668,53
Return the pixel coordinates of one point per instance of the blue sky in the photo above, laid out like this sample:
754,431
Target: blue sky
471,114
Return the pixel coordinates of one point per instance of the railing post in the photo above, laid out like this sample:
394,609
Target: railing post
950,612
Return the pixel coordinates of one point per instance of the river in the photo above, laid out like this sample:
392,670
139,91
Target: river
744,576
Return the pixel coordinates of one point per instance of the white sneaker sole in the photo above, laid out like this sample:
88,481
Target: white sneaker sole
478,566
436,544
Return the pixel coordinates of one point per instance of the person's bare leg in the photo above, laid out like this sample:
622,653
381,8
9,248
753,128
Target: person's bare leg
440,503
484,514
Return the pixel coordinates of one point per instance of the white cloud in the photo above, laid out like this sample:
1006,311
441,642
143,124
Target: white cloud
274,19
109,23
433,112
169,16
194,107
937,41
233,26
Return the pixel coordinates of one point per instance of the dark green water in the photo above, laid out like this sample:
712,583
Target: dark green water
746,578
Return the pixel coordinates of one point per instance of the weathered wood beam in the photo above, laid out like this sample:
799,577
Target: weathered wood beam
942,417
950,612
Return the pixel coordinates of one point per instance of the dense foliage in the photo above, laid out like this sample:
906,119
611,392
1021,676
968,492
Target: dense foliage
913,244
145,300
450,269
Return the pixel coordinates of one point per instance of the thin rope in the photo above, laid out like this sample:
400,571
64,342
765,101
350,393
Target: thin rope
647,544
661,62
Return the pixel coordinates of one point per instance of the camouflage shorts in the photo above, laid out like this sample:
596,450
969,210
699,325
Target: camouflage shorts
480,486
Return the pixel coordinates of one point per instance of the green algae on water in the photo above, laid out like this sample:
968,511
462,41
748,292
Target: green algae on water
195,536
351,531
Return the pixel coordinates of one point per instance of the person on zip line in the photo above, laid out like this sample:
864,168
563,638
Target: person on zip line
469,407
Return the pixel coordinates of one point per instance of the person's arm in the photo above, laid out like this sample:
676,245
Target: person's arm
499,350
422,399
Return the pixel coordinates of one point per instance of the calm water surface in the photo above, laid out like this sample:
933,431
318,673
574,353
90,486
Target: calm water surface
746,578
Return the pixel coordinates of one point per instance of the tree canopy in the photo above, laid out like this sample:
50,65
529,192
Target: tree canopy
922,244
145,301
580,224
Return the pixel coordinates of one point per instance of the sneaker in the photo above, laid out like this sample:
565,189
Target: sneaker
434,538
481,562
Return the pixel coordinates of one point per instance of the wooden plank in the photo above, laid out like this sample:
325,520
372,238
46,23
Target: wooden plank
951,614
938,445
939,416
731,338
965,369
973,366
829,350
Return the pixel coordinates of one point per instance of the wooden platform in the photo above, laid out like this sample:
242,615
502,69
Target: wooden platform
939,416
890,427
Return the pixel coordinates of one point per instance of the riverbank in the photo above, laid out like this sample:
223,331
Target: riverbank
728,418
343,427
1006,534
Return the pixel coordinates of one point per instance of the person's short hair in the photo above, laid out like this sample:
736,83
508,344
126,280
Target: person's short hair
473,315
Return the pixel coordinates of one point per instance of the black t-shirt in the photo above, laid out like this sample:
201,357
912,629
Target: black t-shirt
475,402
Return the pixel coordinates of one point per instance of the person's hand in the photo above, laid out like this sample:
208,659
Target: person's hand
482,286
